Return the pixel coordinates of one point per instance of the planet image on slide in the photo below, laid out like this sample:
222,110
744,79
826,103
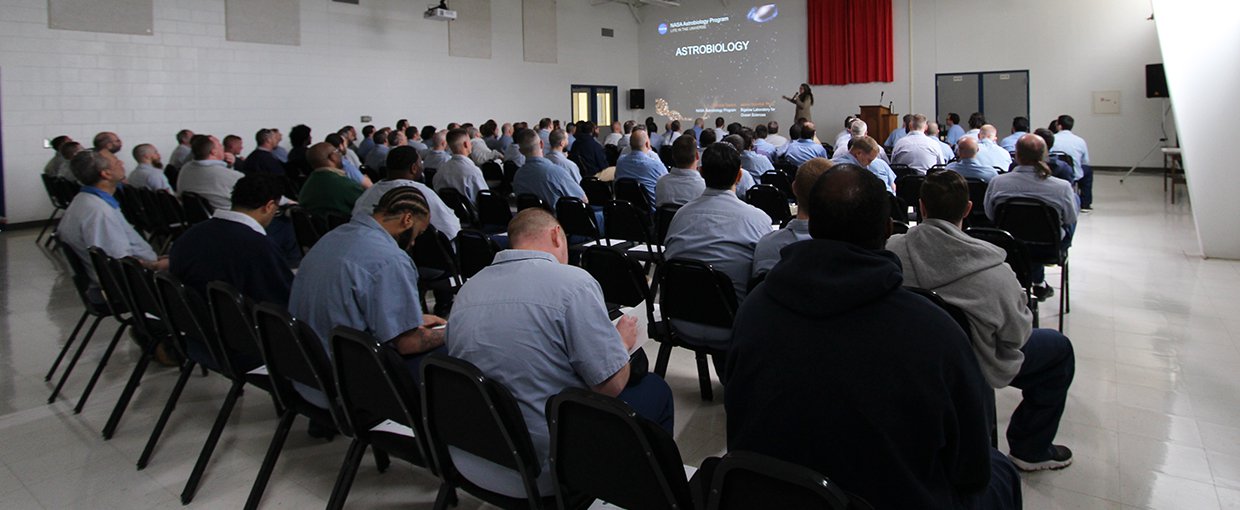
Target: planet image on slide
763,13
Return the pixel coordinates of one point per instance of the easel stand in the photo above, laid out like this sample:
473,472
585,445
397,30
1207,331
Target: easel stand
1162,142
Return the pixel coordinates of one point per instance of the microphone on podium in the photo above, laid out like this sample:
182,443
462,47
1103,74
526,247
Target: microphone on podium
880,96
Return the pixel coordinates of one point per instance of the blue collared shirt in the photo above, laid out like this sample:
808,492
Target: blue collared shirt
377,156
280,153
443,218
94,219
954,133
562,161
644,169
679,187
1009,142
513,154
803,150
544,179
918,151
767,253
990,153
763,147
462,175
756,164
537,327
877,167
719,229
1068,143
970,167
895,137
435,159
351,171
149,177
364,148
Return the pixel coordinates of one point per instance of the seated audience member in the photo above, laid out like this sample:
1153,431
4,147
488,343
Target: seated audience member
513,152
954,131
760,145
845,135
351,170
804,149
864,152
932,130
673,132
544,129
232,150
772,135
587,151
613,138
57,160
459,172
720,132
569,130
900,132
427,135
208,176
967,165
989,152
233,246
813,377
67,151
349,135
94,216
438,153
298,165
328,190
642,165
538,326
718,228
1032,179
652,133
279,151
376,157
683,183
183,153
857,129
971,274
367,143
479,153
767,253
261,160
1020,127
359,275
539,176
107,141
1069,143
413,138
623,143
1058,167
149,173
404,169
505,138
915,149
747,180
794,133
751,160
555,154
976,121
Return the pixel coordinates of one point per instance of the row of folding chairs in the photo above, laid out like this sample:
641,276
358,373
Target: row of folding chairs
160,216
60,192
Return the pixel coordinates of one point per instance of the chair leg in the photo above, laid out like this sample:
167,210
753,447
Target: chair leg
135,377
1033,306
665,354
221,419
64,376
187,369
382,461
446,496
64,350
269,460
103,362
47,224
1067,294
704,377
348,470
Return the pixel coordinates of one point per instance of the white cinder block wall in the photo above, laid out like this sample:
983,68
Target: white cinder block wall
379,58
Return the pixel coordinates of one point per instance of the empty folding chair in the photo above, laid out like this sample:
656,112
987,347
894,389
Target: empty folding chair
633,192
908,188
58,204
598,192
464,209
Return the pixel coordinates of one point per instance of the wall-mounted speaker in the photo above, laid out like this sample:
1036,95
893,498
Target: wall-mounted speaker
637,99
1156,81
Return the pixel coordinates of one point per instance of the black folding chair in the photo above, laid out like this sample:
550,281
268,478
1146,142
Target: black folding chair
598,192
1037,225
577,218
433,250
107,271
58,204
197,209
467,410
464,209
376,389
743,480
772,202
293,353
333,220
908,189
475,250
526,201
306,228
1017,259
621,277
663,221
638,466
510,172
613,154
150,325
492,172
628,222
781,181
428,177
692,291
903,170
94,304
493,211
977,194
633,192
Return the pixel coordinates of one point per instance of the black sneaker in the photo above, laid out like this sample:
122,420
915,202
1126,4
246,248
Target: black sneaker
325,431
1061,457
1043,292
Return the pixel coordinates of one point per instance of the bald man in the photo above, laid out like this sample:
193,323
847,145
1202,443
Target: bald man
767,253
967,164
641,165
539,326
864,152
988,150
328,190
149,173
915,149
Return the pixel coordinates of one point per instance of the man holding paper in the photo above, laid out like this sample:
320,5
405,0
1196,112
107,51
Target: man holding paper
538,325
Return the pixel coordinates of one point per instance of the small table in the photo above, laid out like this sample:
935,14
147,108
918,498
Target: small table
1173,169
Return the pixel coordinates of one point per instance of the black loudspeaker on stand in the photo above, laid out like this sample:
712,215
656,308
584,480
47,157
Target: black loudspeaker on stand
1155,81
637,99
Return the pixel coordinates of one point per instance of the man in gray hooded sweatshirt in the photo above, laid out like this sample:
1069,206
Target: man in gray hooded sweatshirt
971,274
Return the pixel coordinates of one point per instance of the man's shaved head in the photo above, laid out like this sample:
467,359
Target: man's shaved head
529,226
850,204
966,147
319,155
807,175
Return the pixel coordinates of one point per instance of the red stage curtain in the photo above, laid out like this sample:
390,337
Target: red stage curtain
850,41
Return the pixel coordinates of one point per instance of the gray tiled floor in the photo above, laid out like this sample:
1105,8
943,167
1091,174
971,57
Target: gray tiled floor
1154,414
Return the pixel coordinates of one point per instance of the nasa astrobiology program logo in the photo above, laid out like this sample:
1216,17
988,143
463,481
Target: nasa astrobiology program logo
662,28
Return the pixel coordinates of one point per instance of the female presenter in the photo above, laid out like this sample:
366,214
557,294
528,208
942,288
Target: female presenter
804,99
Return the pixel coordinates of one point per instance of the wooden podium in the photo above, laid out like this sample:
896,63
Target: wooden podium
880,120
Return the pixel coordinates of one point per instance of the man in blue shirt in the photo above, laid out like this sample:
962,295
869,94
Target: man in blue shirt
989,152
94,217
767,253
404,169
968,165
1069,143
1020,127
760,145
376,157
367,143
751,160
640,166
932,131
804,149
864,153
555,154
683,183
899,133
459,172
918,151
539,176
954,131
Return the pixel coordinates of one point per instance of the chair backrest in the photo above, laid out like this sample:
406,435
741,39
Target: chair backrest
977,194
908,188
527,200
197,209
464,209
466,410
899,227
1017,252
491,171
170,208
293,353
1032,221
152,212
231,316
51,186
138,283
780,180
772,201
623,280
67,189
1064,157
663,221
304,228
577,218
626,221
428,177
634,193
375,385
475,250
954,311
693,291
333,220
109,281
613,154
432,249
598,192
638,466
493,209
187,316
131,208
903,170
82,282
745,480
665,155
510,171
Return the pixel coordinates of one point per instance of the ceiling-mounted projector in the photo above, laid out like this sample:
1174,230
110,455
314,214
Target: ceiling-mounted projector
439,12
